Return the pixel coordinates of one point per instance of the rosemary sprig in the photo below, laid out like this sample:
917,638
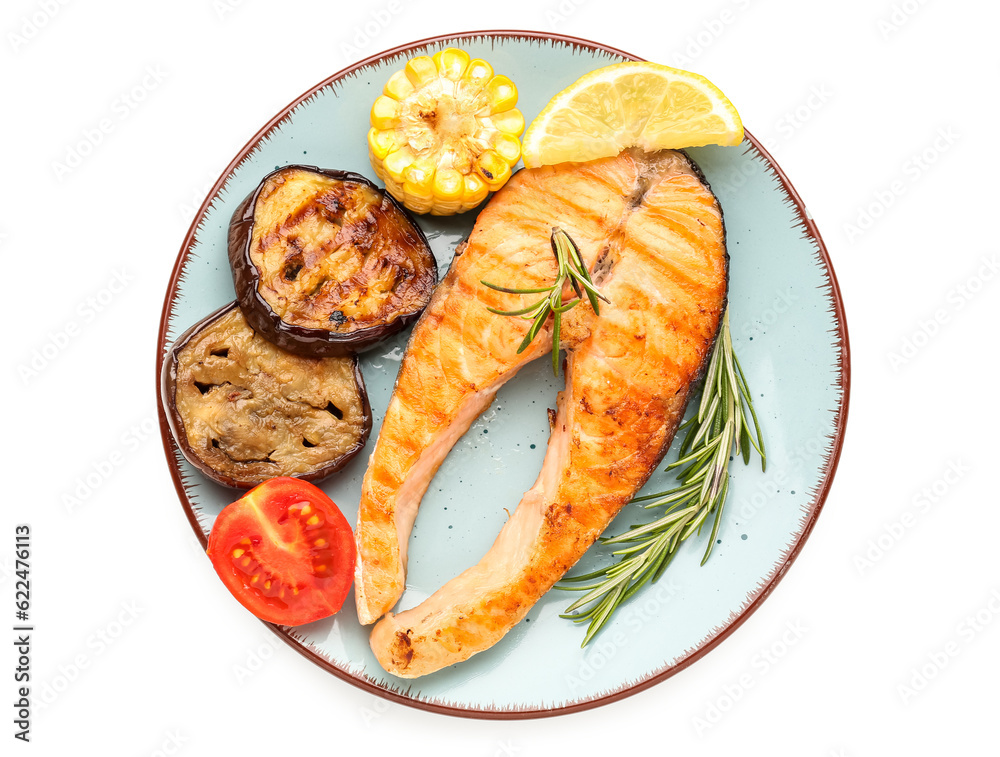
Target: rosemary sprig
570,268
720,429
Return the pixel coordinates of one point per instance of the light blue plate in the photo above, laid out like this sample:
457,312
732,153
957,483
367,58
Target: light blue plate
789,329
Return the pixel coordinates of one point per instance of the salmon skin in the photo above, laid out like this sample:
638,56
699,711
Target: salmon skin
651,232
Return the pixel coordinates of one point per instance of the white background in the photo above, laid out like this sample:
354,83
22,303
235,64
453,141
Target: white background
884,116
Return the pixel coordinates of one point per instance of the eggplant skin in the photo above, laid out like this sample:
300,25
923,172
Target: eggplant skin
336,265
233,400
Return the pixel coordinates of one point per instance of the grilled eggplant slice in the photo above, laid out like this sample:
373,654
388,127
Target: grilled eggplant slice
326,263
243,410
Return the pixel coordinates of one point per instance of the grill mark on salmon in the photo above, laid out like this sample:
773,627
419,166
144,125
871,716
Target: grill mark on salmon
658,230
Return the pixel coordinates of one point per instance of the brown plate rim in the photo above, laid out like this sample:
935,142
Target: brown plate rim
754,600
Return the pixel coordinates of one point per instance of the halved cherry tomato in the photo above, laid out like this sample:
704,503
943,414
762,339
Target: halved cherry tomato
285,551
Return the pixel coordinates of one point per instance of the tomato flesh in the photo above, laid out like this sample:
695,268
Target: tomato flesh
285,551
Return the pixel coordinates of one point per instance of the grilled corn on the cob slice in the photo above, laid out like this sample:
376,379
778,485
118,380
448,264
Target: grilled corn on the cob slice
445,132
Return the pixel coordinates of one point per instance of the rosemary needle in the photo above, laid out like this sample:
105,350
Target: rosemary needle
570,268
720,428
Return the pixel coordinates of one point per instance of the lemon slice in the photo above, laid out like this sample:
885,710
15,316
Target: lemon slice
634,104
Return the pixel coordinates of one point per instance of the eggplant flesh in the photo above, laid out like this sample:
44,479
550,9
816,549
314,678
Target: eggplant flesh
326,263
243,410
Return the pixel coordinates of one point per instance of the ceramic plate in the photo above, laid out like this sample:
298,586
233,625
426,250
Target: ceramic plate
789,330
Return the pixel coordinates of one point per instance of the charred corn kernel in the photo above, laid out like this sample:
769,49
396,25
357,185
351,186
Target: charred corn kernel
445,132
494,169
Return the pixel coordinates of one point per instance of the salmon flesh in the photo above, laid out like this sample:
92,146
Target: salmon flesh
651,232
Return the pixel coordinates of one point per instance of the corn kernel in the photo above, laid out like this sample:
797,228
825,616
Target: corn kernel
451,62
493,168
397,162
381,143
478,72
509,122
448,184
385,113
475,190
503,94
421,70
508,148
398,87
418,180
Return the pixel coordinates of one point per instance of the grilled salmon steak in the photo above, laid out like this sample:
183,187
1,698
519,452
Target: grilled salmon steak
651,233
